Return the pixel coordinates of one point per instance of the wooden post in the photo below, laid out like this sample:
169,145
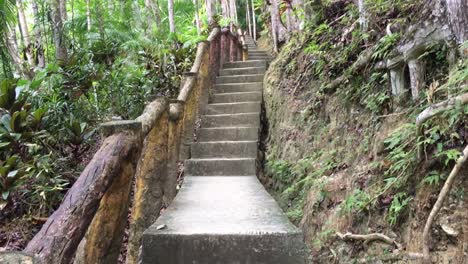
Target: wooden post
225,46
151,173
233,48
245,52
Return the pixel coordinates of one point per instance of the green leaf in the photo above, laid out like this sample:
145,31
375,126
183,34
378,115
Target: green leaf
5,195
7,94
12,174
5,121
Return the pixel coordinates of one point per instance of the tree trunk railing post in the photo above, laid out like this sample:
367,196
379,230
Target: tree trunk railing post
151,178
233,48
214,52
240,44
225,46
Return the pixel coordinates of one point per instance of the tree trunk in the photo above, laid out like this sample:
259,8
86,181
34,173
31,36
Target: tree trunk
274,24
254,22
362,15
153,8
12,46
61,53
225,9
23,24
59,237
247,11
39,56
110,6
458,18
210,12
170,4
197,17
63,10
233,11
88,15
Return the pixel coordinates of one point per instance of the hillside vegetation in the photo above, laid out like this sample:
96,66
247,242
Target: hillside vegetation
344,152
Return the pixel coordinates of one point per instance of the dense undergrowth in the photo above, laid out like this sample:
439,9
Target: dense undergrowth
48,123
358,155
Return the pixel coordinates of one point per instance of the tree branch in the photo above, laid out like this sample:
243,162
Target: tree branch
440,200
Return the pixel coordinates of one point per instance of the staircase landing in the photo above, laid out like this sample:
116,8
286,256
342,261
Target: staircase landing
223,214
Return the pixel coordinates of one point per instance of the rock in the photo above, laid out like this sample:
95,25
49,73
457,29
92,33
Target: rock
15,258
449,230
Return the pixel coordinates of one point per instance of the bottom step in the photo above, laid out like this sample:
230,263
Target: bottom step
229,220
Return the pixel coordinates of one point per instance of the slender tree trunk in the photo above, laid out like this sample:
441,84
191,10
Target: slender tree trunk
88,15
362,15
225,9
39,56
254,22
63,10
19,63
247,12
197,17
153,8
157,14
233,11
23,24
61,53
100,19
12,45
210,11
170,4
110,6
274,24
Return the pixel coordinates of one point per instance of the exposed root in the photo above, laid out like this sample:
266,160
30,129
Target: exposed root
369,238
399,254
440,200
364,58
438,108
394,257
434,110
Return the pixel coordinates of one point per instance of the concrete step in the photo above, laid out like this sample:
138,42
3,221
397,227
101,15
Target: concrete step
244,64
230,220
258,57
257,52
266,59
240,78
233,108
224,149
236,97
228,134
231,120
220,167
238,87
241,71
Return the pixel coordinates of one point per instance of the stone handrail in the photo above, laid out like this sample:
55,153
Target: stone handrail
145,153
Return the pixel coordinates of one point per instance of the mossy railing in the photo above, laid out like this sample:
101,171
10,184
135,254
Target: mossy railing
143,154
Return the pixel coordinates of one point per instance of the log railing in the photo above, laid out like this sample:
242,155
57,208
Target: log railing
143,154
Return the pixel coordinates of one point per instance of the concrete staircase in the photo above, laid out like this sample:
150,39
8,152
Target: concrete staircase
223,214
